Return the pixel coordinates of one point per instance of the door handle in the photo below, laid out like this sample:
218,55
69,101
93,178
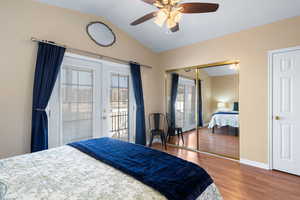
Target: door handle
277,117
104,118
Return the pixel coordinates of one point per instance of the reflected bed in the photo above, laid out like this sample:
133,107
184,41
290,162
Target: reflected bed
221,119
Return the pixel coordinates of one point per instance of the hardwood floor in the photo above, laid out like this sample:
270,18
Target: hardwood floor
241,182
223,141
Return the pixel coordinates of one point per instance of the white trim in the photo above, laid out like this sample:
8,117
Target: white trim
270,100
81,57
270,109
99,60
284,50
254,164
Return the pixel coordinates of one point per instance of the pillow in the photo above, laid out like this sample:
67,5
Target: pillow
236,106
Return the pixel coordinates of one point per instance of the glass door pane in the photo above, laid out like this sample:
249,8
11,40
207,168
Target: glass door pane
77,104
189,107
180,106
119,106
185,104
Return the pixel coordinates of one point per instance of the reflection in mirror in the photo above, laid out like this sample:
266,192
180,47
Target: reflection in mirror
219,133
181,104
203,109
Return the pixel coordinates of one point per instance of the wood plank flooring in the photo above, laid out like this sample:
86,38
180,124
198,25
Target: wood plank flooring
223,141
241,182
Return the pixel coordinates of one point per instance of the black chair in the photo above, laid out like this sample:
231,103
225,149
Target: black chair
157,127
172,130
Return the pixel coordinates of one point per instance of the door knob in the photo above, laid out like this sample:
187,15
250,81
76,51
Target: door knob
277,118
103,117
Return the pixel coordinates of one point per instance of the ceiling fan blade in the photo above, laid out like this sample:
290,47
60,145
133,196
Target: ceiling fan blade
149,1
144,18
198,7
175,28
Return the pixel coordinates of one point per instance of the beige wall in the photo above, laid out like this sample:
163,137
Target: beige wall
206,96
224,89
251,48
22,19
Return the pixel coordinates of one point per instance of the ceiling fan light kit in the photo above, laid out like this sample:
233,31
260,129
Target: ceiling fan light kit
170,12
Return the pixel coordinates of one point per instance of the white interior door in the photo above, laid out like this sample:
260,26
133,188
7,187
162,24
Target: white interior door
286,110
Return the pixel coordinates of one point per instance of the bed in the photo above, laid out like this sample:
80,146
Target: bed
221,119
71,173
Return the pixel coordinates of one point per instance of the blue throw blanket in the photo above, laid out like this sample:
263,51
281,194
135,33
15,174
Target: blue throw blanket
173,177
226,113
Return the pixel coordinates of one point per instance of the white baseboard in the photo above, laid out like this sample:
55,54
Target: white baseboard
254,164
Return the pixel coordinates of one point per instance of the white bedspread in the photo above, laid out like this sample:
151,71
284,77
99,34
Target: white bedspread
221,120
66,173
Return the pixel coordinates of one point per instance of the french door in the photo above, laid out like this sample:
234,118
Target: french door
117,103
186,104
91,99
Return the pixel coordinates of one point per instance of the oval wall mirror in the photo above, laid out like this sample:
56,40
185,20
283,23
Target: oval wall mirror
101,34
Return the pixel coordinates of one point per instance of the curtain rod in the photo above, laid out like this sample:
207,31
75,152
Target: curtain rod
87,52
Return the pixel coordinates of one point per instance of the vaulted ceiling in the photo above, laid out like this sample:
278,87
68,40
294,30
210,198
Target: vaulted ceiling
232,16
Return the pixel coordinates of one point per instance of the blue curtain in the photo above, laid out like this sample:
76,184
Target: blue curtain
49,59
140,128
200,116
174,88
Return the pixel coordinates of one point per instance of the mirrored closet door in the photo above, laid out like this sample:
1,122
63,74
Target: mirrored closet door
181,107
203,109
219,129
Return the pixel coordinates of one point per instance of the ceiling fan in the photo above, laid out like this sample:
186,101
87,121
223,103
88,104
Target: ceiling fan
170,12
